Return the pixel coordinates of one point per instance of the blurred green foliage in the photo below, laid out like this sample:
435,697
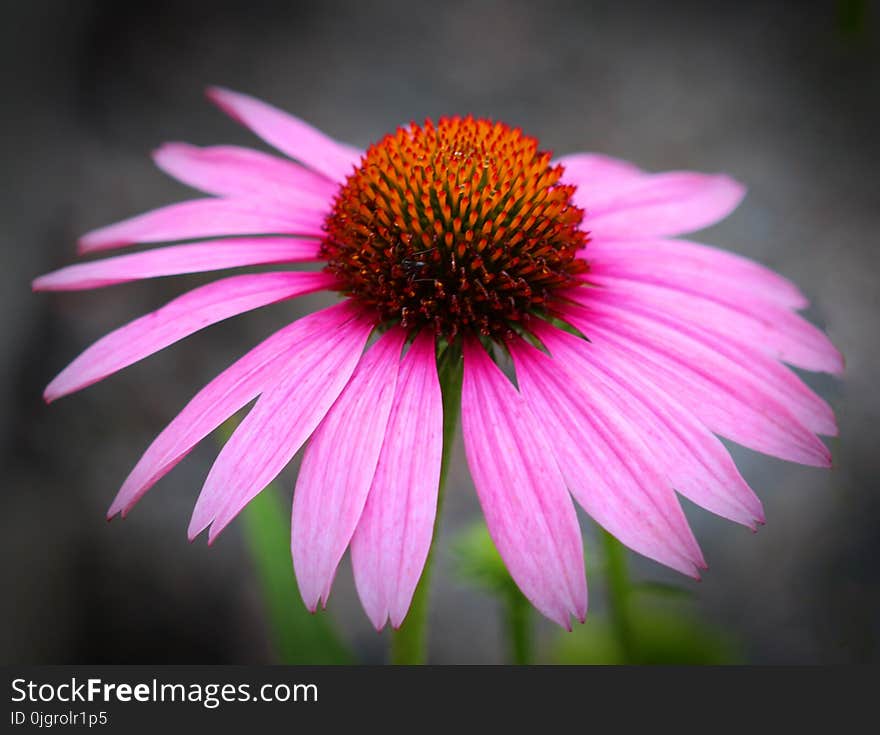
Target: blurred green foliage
852,18
659,626
297,636
659,637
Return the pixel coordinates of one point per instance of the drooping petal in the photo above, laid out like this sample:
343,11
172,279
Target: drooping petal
605,462
749,363
393,536
530,515
338,467
661,205
694,268
206,218
774,330
230,391
282,419
176,260
679,445
288,134
230,171
722,394
180,318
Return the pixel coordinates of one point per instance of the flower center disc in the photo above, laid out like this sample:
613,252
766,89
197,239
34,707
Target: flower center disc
461,227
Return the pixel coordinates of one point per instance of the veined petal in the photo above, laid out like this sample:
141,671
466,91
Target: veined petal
176,260
764,327
752,365
604,460
230,391
289,134
694,268
529,513
282,419
230,171
180,318
679,445
206,218
662,204
719,392
338,467
393,536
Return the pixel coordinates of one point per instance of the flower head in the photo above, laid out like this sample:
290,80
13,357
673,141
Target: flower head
463,227
632,349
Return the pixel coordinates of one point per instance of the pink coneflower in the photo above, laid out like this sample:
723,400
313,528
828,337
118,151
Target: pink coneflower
631,348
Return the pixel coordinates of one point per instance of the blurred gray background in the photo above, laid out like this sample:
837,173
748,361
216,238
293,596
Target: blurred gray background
786,97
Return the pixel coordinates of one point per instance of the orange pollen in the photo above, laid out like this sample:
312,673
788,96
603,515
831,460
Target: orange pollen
461,226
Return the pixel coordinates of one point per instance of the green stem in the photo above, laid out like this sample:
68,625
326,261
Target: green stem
518,623
618,595
409,643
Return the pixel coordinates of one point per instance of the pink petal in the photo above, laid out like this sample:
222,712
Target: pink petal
662,204
721,393
229,171
754,366
180,318
288,134
206,218
774,330
179,259
679,445
279,423
230,391
393,536
338,467
694,268
605,461
596,175
529,513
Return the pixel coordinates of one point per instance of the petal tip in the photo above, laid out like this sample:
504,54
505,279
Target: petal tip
398,618
100,239
193,531
52,393
213,92
169,149
86,243
311,598
312,606
113,511
214,532
736,191
223,98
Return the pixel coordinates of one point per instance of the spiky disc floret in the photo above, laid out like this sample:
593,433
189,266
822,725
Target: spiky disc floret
462,226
